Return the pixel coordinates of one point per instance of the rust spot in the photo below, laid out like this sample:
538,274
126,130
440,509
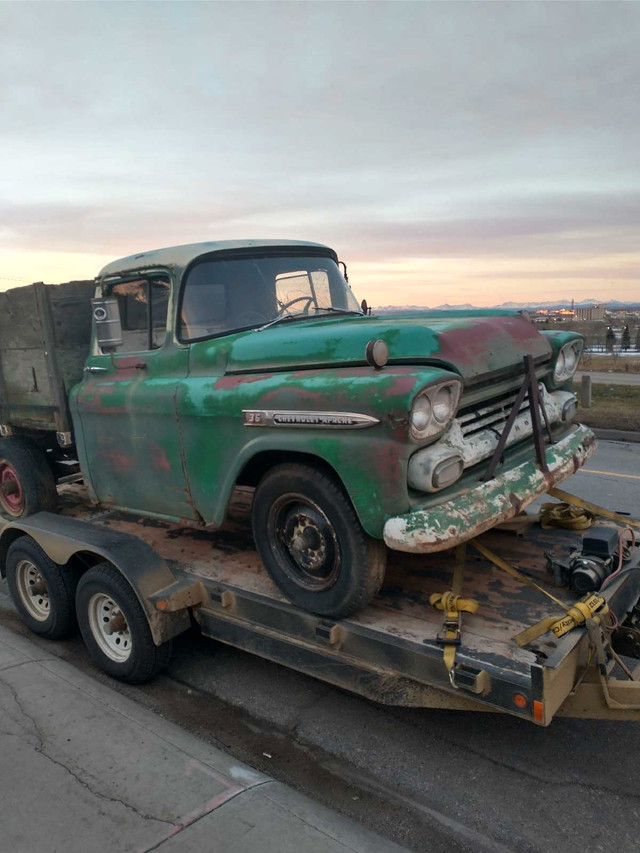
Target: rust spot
228,383
159,459
106,390
119,460
402,385
516,503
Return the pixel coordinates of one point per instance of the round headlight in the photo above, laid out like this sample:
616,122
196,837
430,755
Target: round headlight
560,368
443,405
421,416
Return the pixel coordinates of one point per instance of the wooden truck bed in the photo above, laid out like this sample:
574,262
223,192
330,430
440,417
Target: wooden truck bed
45,333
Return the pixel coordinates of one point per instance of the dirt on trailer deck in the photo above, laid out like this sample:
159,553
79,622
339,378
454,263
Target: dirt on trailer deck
402,608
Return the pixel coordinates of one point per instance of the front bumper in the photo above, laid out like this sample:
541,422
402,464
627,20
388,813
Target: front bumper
476,510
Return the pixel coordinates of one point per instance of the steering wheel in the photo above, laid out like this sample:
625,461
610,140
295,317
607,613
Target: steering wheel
305,310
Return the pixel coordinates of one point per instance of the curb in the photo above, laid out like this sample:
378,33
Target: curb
82,749
617,435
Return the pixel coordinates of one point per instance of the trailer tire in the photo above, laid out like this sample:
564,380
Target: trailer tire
312,544
24,467
115,628
42,591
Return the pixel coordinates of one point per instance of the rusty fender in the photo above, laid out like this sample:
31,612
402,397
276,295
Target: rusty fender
478,509
63,538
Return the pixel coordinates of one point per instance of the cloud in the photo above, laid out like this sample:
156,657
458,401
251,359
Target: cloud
392,130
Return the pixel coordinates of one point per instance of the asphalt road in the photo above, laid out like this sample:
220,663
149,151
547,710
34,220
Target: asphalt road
431,780
610,378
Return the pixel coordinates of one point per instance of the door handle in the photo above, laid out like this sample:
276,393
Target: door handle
94,369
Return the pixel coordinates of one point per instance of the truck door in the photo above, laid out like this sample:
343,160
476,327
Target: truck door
124,410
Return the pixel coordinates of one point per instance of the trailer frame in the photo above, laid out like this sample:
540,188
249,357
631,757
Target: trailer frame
360,654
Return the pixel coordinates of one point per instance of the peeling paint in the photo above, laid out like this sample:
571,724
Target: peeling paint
478,509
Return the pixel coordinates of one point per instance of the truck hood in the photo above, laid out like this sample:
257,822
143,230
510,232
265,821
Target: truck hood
472,344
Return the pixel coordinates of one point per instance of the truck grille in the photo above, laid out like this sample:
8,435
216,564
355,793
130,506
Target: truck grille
489,414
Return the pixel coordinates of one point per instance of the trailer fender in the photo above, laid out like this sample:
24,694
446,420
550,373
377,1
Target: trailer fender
148,574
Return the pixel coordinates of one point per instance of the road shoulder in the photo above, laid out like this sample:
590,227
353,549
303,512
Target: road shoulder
108,774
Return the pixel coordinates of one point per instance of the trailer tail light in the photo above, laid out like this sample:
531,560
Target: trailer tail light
520,701
538,711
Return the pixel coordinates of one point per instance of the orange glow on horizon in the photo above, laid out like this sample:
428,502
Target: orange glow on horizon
408,281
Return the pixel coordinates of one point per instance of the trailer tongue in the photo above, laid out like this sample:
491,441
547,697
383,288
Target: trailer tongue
395,650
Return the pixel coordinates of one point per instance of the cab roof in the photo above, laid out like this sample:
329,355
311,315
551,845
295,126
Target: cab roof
178,258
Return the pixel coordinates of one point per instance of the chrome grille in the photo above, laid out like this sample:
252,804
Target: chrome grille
489,414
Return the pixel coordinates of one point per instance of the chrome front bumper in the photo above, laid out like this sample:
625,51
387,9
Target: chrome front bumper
478,509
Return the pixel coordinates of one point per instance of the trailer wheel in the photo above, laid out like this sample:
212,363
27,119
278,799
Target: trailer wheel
312,544
27,484
115,628
42,591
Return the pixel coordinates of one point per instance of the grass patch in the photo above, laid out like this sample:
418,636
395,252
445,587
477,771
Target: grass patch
616,363
612,407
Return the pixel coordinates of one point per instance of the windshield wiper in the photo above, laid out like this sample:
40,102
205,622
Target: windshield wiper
339,310
306,316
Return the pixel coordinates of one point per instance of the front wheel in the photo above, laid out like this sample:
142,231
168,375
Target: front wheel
115,628
312,544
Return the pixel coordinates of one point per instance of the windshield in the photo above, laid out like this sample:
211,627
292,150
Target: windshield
230,294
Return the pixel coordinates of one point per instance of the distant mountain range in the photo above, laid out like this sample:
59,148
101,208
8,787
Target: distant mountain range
612,304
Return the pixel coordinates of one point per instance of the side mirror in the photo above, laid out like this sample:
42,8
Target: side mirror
106,316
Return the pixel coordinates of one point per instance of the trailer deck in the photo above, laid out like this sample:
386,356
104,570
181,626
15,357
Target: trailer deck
389,651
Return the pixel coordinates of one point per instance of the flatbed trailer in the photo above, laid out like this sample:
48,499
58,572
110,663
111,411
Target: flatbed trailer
389,652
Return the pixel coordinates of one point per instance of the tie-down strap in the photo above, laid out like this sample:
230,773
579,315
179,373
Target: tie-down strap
589,607
452,605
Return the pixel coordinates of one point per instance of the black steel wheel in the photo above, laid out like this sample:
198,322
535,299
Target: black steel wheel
312,544
114,627
42,591
27,484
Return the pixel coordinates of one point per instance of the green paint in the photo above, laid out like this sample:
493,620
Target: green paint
170,440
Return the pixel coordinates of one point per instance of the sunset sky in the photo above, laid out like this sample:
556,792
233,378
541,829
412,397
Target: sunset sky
449,152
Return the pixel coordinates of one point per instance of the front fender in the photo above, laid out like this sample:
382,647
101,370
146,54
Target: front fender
371,462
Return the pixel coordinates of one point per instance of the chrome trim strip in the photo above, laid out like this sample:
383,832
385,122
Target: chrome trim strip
307,420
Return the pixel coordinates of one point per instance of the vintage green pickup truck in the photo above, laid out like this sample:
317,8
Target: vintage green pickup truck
220,364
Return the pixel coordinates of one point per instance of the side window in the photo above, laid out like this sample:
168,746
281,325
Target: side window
143,307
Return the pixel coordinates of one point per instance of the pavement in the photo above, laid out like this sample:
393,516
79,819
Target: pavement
83,769
434,781
606,377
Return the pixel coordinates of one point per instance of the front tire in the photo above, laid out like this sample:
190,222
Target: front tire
115,628
312,544
42,591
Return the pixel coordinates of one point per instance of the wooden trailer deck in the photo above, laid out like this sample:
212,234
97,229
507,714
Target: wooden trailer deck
226,557
389,651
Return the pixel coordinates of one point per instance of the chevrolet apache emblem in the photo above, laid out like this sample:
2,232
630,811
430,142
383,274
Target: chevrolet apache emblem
335,420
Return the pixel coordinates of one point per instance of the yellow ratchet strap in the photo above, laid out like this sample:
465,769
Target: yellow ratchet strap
561,495
565,516
453,606
575,614
592,606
